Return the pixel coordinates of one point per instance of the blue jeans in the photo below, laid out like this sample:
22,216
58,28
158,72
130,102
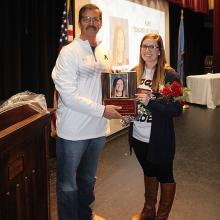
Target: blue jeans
76,169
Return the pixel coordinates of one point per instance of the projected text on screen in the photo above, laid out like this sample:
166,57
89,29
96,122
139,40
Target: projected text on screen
124,25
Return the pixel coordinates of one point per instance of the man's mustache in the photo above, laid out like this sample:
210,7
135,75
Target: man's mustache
91,26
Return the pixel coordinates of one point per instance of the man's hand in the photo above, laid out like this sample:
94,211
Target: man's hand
111,112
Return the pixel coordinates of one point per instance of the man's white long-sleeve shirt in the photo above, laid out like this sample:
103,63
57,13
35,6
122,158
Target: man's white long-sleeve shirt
77,78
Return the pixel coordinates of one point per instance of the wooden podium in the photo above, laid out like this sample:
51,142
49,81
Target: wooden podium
24,182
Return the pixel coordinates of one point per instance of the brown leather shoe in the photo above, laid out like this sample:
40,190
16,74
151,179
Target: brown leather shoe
96,217
136,217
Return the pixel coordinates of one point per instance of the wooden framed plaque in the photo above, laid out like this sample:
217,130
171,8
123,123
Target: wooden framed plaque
119,89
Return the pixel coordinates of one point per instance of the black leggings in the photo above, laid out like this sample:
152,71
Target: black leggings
163,172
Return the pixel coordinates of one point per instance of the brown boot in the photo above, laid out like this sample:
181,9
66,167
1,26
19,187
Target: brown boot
149,210
166,200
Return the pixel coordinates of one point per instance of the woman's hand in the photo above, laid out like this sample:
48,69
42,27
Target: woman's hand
143,98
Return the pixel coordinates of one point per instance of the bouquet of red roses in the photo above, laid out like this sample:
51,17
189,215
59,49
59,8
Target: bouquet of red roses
173,92
170,92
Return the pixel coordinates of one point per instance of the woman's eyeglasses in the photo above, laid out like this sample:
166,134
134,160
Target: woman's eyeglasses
149,47
88,19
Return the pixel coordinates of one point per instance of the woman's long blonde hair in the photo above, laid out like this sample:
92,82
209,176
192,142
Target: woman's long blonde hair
161,65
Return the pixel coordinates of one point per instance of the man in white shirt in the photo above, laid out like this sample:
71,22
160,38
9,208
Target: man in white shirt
81,117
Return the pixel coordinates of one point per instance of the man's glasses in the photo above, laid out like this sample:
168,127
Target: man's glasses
88,19
149,47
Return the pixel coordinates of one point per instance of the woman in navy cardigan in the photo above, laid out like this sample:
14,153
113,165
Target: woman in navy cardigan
152,135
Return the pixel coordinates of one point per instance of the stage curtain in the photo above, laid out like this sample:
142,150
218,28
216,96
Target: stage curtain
29,45
216,37
194,37
201,6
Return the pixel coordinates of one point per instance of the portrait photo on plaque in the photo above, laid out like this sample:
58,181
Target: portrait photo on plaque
119,85
119,89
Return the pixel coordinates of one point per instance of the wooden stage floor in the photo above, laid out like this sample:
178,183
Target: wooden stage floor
119,187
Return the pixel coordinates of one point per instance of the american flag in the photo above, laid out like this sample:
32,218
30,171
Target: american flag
66,35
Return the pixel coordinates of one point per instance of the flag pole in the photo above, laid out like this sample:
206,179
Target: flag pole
180,62
182,14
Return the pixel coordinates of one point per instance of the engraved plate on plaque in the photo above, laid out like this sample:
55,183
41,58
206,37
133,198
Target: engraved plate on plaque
128,105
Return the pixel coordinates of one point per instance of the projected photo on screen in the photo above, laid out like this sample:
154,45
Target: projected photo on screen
119,40
127,22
